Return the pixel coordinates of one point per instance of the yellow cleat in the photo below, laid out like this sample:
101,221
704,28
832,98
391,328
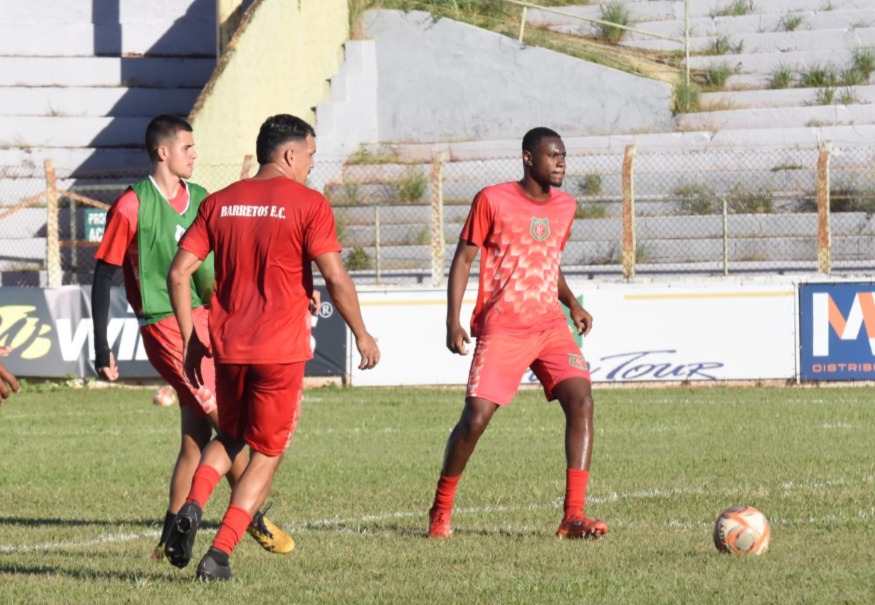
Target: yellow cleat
158,553
269,536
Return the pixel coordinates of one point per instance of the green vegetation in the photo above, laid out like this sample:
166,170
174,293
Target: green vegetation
686,98
504,18
744,200
828,75
819,75
863,63
358,259
591,184
716,76
723,45
782,77
366,156
791,22
848,96
590,210
736,8
782,167
825,95
86,487
344,194
696,198
615,13
851,197
412,185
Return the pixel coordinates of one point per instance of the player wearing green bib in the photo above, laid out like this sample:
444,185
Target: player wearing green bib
142,230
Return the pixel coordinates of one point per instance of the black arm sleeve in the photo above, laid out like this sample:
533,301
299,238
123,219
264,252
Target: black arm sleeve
100,294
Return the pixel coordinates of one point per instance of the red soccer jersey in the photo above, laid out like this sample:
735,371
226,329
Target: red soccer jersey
119,244
264,234
521,242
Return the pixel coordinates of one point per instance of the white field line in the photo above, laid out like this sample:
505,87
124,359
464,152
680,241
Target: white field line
861,516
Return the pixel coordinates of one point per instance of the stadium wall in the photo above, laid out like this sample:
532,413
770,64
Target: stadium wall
279,61
694,331
708,330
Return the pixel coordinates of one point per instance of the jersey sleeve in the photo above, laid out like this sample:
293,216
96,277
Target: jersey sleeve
479,221
196,238
121,229
320,235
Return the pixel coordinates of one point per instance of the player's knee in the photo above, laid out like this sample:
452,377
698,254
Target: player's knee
474,424
581,405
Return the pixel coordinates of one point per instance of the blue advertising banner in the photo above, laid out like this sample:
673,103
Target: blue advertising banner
837,331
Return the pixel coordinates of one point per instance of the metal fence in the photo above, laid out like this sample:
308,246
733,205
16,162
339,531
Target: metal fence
709,212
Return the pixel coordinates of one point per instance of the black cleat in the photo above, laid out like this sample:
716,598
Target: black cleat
180,542
214,566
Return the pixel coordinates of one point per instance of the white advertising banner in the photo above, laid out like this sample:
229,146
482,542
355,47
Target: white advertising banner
696,331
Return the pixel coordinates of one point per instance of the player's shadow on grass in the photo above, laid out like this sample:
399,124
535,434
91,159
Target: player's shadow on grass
407,531
56,522
133,577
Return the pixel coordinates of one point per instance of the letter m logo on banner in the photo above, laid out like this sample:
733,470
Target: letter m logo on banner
826,315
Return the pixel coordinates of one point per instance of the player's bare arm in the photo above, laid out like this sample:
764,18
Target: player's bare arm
581,318
8,382
346,301
460,272
184,265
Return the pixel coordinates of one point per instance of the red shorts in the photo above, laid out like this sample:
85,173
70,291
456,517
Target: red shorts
500,360
163,343
260,403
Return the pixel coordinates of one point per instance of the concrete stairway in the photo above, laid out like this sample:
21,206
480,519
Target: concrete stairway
79,82
80,79
779,35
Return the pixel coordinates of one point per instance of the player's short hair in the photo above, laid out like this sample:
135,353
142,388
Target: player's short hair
160,129
534,136
278,130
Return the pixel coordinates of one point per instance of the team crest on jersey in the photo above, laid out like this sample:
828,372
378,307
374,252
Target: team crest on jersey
180,231
540,229
577,361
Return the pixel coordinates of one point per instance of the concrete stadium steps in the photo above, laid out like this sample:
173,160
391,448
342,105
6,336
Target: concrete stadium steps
826,37
190,38
666,10
764,42
40,131
765,63
95,101
73,162
28,223
21,252
749,31
107,11
150,72
778,117
712,27
697,239
757,99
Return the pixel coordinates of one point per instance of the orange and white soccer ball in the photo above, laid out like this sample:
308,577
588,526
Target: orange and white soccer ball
742,530
165,396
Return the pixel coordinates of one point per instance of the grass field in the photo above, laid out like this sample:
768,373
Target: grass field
83,474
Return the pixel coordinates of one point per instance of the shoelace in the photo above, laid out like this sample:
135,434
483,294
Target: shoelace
258,521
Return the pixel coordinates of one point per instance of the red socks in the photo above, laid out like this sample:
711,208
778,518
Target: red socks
576,480
202,484
234,525
445,493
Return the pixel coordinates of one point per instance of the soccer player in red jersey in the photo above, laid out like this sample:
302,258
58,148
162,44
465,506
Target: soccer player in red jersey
142,230
264,232
520,229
